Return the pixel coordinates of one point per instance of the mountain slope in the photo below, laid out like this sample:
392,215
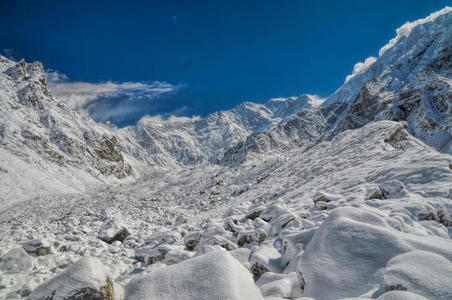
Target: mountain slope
410,81
377,180
48,148
311,199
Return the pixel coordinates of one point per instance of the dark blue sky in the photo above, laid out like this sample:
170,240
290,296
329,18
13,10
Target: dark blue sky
222,53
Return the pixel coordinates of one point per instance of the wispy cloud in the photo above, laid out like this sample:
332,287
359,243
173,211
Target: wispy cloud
108,101
78,94
8,53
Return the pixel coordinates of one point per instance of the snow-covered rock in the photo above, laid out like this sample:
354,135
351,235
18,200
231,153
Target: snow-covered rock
348,252
113,230
16,261
401,295
215,275
424,273
88,278
36,247
264,259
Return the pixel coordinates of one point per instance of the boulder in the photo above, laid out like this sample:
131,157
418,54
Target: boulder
113,230
86,279
215,275
36,247
392,189
264,259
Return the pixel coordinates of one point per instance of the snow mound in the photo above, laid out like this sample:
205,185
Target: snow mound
350,249
422,272
87,277
401,295
16,260
215,275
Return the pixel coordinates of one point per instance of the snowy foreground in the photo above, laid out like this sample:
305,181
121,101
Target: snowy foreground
365,214
348,197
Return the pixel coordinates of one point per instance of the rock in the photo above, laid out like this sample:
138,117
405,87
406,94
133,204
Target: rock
86,279
440,217
376,195
264,259
16,261
191,240
215,275
392,189
151,255
113,230
220,241
28,288
108,150
254,214
398,136
245,237
230,224
163,237
36,247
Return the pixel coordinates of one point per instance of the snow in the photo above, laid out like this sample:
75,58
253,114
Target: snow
361,67
349,250
16,261
215,275
88,272
345,198
406,28
401,295
422,272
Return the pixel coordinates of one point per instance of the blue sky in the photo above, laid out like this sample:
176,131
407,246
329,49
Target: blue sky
196,57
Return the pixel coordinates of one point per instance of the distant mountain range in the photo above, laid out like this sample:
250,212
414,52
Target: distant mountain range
45,147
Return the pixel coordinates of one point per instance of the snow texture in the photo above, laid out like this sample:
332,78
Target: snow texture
347,197
215,275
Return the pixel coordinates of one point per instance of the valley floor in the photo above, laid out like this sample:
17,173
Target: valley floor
367,215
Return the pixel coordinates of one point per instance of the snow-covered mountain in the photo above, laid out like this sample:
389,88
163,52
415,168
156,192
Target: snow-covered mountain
48,148
410,81
297,198
189,141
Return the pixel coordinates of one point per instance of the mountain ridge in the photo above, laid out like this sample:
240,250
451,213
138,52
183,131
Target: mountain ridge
410,81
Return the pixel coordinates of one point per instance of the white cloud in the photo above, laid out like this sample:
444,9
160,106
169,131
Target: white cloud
78,94
9,53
